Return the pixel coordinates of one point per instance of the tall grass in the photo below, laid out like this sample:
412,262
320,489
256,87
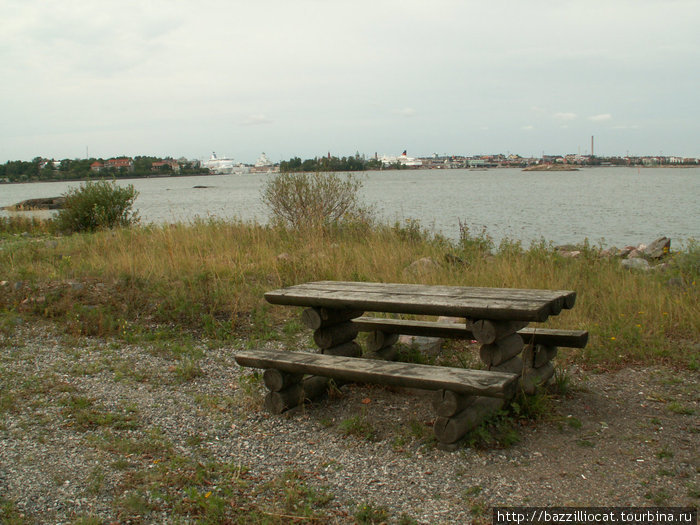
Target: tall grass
211,275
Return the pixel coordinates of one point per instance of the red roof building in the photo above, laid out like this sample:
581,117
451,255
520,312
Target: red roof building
123,162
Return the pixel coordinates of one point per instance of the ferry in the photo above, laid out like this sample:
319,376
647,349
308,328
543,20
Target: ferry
224,166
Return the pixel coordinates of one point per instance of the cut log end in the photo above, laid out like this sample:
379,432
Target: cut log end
447,403
319,317
451,429
276,380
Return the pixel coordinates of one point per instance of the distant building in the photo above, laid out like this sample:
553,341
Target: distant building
120,163
97,166
158,165
263,165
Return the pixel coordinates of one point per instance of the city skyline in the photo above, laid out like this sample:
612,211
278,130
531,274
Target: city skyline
303,78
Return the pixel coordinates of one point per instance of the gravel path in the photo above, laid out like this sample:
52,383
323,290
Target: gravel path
87,426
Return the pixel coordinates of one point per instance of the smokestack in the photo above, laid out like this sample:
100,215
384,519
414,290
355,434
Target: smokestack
592,151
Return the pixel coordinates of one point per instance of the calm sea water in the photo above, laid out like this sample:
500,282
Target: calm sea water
615,206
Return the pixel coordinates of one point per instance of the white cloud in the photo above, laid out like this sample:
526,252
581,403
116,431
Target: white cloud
256,120
406,112
600,118
343,76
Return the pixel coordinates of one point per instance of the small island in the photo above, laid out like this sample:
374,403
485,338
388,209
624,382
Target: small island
45,203
551,167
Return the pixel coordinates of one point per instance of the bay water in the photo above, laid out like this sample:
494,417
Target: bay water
608,206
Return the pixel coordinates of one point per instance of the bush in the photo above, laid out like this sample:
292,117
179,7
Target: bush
98,205
313,199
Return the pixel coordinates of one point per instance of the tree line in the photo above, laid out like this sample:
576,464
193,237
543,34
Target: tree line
39,169
329,163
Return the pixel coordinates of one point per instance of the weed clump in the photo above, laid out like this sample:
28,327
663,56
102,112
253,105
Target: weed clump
302,200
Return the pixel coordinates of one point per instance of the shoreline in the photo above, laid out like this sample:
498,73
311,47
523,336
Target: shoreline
573,167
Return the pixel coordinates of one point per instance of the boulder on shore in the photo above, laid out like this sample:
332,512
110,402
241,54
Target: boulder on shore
659,248
420,266
636,264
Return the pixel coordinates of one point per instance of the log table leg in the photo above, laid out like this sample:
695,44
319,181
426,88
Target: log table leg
500,351
500,344
334,335
450,430
380,345
538,367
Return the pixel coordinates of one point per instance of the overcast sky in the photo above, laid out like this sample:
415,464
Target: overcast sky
308,77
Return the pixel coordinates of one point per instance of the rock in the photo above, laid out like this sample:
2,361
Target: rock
659,248
635,254
46,203
51,244
423,265
425,345
17,285
624,252
570,254
636,264
284,256
453,320
610,252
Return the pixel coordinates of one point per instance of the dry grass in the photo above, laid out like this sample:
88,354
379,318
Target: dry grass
211,276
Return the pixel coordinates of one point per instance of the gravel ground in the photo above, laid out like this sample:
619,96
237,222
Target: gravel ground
85,421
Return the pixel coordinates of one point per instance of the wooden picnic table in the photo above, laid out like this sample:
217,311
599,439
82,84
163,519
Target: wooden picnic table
496,317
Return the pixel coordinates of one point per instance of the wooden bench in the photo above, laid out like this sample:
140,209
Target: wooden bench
409,375
455,389
541,336
516,356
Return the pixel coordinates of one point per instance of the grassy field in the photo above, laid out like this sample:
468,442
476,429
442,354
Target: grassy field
163,305
208,278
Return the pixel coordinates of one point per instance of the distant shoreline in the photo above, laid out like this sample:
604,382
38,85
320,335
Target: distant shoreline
567,167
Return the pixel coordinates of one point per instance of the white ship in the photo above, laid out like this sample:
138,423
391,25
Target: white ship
224,166
403,160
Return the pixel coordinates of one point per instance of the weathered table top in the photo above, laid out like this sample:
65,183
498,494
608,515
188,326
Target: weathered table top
511,304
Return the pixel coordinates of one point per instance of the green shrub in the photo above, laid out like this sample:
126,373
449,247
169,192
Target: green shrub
96,206
313,199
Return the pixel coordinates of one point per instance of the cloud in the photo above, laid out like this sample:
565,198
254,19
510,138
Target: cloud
406,112
600,118
256,120
528,128
565,116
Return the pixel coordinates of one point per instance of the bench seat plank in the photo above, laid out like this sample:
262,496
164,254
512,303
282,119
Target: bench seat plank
544,336
409,375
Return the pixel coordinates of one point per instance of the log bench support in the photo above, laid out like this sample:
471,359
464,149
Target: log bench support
508,349
506,346
459,399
